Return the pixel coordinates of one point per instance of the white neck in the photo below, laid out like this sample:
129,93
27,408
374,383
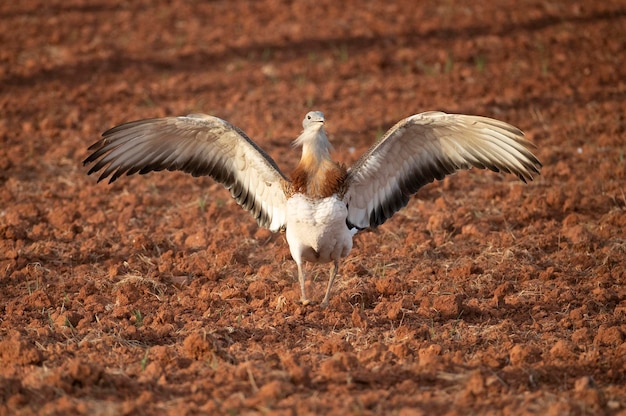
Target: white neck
314,142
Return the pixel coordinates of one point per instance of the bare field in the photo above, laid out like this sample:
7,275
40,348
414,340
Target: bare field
159,295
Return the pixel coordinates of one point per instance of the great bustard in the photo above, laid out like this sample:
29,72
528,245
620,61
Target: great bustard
322,204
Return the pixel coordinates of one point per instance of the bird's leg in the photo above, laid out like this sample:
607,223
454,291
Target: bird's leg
303,298
333,274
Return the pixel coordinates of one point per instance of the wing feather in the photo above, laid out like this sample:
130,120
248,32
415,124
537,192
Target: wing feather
199,145
425,147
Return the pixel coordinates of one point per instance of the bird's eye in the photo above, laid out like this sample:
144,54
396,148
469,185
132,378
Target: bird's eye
308,117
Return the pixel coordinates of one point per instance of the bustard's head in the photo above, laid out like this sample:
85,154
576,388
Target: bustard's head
313,118
313,137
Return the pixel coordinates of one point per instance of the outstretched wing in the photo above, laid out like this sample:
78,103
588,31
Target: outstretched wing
200,145
425,147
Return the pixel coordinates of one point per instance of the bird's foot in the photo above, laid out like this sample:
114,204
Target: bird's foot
306,302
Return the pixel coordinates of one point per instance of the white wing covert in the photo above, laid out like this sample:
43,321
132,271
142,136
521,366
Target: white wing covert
425,147
200,145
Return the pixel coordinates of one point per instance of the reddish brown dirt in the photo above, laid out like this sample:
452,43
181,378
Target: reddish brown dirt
158,295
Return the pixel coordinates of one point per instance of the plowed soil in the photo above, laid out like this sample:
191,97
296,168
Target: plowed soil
159,295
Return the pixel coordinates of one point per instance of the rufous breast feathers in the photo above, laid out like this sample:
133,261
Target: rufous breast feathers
318,180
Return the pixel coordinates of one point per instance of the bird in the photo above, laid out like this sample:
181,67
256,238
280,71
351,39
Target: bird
322,204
